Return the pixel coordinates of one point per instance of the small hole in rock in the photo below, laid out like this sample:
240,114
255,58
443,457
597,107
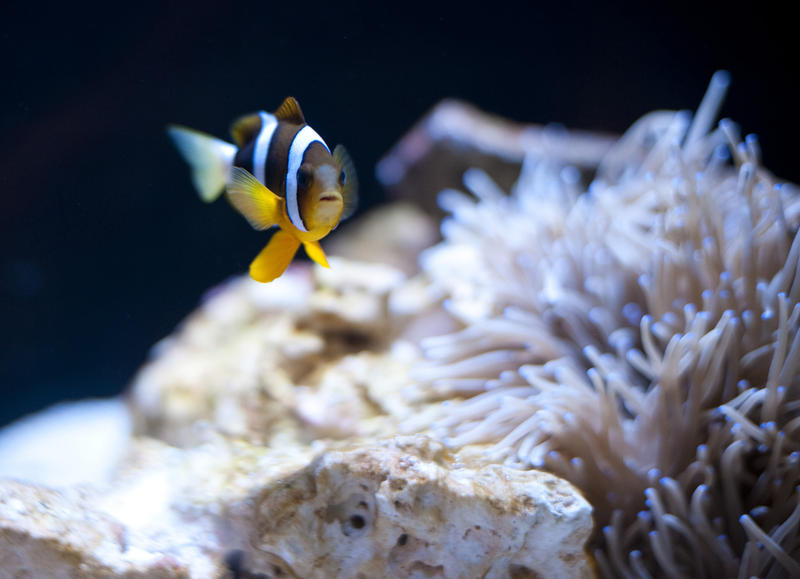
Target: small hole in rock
522,572
402,539
357,522
235,561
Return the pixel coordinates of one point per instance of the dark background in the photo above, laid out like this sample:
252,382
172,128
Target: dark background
104,246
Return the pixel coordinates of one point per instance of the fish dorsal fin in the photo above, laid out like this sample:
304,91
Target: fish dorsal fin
245,129
290,112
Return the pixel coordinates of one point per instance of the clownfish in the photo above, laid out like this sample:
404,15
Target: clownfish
278,173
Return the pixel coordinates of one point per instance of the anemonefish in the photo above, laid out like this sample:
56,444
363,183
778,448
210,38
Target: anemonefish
279,173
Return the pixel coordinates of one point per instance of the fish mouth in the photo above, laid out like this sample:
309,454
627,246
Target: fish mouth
330,197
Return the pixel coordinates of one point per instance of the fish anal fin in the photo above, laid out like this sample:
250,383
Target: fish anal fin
290,111
314,251
260,206
275,257
350,186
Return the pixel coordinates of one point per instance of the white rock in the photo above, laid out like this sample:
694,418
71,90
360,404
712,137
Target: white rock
60,534
406,508
402,507
67,444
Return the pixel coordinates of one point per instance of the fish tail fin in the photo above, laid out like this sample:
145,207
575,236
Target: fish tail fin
210,159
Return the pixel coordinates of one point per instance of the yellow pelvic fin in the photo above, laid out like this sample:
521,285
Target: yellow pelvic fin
290,111
350,186
245,129
210,159
314,251
275,257
260,206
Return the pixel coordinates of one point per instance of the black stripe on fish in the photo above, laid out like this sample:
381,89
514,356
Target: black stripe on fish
278,157
244,157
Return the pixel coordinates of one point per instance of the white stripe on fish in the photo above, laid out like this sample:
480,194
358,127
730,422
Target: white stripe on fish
297,150
268,125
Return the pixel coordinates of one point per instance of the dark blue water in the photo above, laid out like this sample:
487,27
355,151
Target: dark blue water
104,246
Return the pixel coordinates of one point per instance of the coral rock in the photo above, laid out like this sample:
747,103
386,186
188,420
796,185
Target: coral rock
406,508
455,136
45,533
264,364
402,507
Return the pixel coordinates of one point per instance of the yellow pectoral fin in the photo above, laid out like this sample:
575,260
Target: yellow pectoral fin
260,206
275,257
314,251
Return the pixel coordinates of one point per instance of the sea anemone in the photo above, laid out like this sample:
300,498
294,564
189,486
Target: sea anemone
639,338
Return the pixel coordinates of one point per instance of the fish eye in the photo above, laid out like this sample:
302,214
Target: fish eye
342,177
304,178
